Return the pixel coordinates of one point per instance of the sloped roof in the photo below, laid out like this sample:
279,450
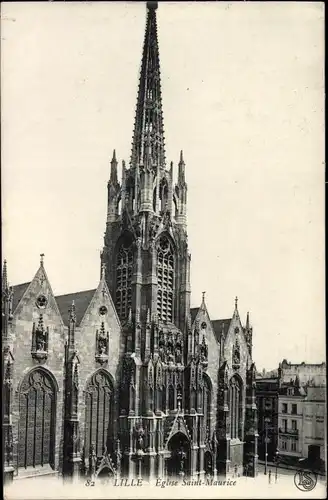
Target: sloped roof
18,291
193,313
219,326
81,300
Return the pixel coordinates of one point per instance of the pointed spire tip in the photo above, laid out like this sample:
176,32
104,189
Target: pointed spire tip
152,5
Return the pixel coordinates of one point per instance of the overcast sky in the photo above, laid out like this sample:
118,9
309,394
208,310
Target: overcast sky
243,97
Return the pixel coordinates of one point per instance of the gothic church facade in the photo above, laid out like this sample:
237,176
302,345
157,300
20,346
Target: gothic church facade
126,379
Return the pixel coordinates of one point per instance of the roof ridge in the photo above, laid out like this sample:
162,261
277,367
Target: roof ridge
73,293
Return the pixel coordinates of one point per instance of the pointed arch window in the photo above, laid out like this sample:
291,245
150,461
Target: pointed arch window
37,415
235,408
99,413
124,267
165,279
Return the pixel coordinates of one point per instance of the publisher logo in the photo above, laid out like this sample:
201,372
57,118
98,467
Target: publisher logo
305,480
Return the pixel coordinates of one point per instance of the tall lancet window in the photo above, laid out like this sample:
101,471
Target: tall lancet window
124,265
165,279
235,408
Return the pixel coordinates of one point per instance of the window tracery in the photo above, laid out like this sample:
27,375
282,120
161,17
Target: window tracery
37,410
99,408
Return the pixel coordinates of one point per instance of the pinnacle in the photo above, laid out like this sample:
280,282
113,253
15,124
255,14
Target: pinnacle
114,157
4,276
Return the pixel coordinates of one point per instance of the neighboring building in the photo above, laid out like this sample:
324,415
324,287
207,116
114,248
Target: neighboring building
306,372
267,392
126,378
290,420
292,413
314,424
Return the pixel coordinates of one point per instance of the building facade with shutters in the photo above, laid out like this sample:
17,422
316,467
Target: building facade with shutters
126,379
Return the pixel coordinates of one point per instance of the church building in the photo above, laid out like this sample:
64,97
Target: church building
126,379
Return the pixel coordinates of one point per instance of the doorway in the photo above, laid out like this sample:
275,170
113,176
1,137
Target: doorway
179,461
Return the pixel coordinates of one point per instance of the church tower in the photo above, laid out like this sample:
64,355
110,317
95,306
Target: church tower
147,266
145,251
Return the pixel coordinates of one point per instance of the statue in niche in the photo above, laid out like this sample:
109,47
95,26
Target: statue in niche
161,353
40,337
178,355
102,340
236,355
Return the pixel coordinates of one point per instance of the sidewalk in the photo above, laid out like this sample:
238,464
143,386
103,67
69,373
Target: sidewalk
297,467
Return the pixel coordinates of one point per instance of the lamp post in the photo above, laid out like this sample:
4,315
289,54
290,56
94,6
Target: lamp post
277,458
266,420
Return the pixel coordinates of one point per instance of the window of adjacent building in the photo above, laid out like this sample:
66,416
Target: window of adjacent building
294,409
124,263
283,444
284,425
293,446
294,425
165,279
290,391
284,407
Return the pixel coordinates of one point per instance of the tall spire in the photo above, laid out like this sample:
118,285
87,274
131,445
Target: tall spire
148,135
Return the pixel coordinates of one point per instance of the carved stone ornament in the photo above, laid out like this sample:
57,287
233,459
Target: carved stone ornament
103,310
102,344
41,301
40,341
236,356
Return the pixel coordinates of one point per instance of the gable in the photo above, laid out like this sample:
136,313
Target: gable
99,297
26,303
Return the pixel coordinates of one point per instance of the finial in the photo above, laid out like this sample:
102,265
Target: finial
41,259
236,303
152,5
203,297
40,324
181,157
103,270
72,311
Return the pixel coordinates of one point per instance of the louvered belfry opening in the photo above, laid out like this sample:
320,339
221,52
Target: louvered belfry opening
124,268
99,413
37,415
165,280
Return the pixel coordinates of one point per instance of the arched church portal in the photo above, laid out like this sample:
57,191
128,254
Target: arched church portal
178,463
